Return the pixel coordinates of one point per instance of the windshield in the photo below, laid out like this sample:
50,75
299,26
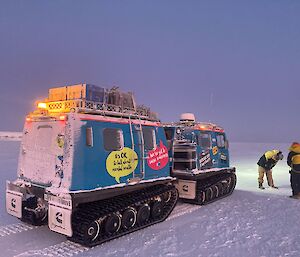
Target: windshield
204,140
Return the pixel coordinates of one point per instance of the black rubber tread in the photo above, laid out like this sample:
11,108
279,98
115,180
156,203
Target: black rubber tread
86,213
205,186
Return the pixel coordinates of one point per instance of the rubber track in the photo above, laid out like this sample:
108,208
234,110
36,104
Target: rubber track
203,185
86,213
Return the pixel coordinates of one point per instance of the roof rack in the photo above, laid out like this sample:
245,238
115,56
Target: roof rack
197,125
85,98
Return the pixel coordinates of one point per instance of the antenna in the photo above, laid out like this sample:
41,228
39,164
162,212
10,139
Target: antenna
211,104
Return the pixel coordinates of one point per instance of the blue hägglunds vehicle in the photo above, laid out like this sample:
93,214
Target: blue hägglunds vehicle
199,160
92,165
95,166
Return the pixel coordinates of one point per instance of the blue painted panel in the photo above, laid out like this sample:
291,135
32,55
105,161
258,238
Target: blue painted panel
90,169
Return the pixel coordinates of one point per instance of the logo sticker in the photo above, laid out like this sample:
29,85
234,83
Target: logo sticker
215,150
58,217
60,141
223,157
13,203
121,163
158,158
185,188
205,160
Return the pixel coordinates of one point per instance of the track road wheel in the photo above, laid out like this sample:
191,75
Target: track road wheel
200,197
157,209
216,191
227,185
221,188
112,223
129,218
92,231
209,194
166,197
143,214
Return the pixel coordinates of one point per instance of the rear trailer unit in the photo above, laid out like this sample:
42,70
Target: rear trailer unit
93,166
199,159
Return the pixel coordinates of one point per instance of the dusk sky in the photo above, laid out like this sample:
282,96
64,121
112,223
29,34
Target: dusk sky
235,63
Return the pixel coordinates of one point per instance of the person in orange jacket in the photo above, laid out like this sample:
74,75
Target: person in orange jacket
293,160
265,165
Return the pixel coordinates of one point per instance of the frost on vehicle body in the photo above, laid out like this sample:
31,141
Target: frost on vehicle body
92,165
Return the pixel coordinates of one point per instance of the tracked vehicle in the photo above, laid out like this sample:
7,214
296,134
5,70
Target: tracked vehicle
199,160
93,166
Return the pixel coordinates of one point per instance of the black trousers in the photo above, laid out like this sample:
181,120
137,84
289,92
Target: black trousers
295,182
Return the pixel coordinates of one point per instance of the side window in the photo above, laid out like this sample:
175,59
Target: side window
204,140
43,137
220,140
149,138
89,136
113,139
169,132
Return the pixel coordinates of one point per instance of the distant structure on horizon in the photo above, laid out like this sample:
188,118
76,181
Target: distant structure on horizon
10,136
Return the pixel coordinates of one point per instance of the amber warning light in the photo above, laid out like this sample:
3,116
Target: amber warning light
42,105
62,117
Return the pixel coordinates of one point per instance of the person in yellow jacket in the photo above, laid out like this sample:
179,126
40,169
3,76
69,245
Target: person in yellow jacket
265,165
293,160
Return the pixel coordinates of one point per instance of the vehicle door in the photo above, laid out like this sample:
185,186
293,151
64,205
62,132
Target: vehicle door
223,154
204,150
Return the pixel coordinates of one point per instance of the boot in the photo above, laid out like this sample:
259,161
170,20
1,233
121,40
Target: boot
296,196
260,186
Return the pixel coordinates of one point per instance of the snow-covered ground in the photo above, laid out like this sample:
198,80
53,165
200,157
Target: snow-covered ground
250,222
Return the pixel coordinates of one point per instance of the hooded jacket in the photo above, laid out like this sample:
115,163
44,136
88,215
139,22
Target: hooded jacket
267,161
293,159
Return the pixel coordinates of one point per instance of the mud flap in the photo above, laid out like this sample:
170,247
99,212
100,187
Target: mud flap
14,203
59,215
186,188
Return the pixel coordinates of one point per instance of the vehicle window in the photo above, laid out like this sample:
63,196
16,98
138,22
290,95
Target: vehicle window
169,136
113,139
149,138
220,140
169,133
43,137
204,140
89,136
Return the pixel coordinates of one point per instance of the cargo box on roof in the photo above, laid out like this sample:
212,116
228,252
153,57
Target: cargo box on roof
80,91
123,99
57,94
